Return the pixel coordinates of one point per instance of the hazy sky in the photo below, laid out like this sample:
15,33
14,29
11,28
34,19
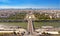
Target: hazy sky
29,3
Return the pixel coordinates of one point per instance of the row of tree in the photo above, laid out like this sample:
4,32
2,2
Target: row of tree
44,16
17,16
22,15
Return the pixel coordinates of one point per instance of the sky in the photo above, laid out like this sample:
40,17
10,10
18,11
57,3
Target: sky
29,3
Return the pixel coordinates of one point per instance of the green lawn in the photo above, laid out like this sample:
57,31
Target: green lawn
36,24
39,24
22,24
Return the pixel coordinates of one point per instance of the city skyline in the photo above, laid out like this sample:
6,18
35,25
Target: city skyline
29,3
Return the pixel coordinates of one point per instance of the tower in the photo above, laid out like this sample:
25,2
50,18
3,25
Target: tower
30,26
